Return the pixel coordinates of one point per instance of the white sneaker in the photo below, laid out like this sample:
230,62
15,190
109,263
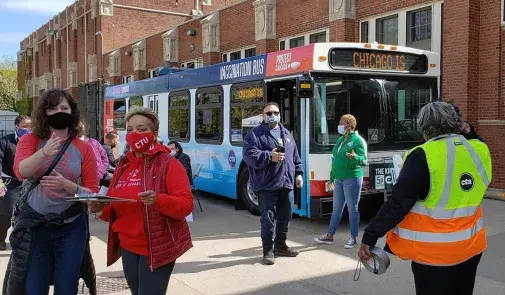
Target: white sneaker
351,243
324,239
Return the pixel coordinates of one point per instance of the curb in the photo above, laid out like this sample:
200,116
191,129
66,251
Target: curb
496,194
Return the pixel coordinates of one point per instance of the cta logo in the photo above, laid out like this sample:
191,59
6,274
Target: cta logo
466,182
232,159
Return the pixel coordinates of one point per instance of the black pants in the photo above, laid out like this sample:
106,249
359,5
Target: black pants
449,280
6,206
276,211
139,277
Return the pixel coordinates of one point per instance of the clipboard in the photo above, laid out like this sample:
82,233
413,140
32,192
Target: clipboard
97,198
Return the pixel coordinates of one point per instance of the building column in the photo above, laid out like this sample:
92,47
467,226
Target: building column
210,39
342,16
114,67
139,60
265,25
171,48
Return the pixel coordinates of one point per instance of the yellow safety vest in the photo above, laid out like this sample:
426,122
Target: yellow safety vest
446,228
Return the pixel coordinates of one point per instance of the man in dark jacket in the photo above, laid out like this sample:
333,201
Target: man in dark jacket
8,143
177,152
274,169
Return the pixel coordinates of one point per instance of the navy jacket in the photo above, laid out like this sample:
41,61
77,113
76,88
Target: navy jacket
257,153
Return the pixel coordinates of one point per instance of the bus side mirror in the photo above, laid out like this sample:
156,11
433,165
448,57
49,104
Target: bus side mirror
305,87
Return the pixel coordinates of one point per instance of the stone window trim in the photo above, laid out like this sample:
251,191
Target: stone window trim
341,9
502,14
114,67
265,19
72,74
139,56
171,45
210,33
57,78
306,37
226,55
436,25
92,67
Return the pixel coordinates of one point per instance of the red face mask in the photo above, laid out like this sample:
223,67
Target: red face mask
140,142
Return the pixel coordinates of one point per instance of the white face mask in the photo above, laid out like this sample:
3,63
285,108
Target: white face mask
173,153
341,129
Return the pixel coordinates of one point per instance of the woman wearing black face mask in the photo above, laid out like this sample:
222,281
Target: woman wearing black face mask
51,233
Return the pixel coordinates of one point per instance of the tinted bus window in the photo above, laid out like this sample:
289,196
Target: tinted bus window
209,115
246,107
178,116
119,114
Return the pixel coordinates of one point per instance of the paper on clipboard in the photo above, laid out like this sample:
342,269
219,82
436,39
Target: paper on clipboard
189,218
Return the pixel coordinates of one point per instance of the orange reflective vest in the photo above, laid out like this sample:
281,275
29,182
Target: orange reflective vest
447,228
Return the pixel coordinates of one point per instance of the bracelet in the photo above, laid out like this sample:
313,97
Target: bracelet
42,149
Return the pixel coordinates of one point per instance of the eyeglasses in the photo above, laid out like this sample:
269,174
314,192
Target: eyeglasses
272,113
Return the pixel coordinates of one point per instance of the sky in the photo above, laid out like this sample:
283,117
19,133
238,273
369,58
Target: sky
19,18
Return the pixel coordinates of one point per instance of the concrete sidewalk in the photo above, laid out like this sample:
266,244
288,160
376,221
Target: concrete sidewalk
227,254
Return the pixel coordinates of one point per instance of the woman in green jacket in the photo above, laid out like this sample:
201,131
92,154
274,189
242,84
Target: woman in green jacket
346,178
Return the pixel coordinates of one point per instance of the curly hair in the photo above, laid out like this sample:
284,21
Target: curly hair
49,99
439,118
351,120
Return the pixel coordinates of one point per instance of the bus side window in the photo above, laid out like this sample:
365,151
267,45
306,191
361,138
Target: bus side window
178,116
209,115
119,114
247,102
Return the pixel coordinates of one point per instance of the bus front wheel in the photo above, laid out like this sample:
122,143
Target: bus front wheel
247,195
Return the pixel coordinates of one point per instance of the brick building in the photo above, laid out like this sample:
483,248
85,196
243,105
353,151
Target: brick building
468,34
68,49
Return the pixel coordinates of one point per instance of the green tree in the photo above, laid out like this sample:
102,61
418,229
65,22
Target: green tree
9,98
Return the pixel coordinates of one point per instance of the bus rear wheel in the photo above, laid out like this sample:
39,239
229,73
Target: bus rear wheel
250,199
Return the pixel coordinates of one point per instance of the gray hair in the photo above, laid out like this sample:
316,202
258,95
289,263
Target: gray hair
439,118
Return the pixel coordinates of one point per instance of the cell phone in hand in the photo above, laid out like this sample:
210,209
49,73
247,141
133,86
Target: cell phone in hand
281,149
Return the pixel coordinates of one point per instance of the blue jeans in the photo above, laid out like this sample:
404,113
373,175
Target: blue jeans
276,211
346,191
65,247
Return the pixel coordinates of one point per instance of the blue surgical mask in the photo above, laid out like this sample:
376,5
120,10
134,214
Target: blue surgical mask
341,129
23,131
273,119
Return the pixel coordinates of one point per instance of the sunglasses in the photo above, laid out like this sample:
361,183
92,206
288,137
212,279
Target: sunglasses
272,113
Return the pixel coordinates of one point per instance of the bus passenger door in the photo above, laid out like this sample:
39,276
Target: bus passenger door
283,93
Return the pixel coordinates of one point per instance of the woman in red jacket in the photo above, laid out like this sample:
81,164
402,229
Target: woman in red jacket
152,233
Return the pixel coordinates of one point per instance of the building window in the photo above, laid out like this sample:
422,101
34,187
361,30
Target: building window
363,36
308,38
153,103
178,116
318,37
296,42
127,79
239,54
387,30
57,82
192,64
419,28
209,115
155,72
119,114
503,12
247,102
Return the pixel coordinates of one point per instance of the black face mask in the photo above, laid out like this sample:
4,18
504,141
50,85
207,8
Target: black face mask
60,121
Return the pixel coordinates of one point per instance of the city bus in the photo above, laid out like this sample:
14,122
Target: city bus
210,110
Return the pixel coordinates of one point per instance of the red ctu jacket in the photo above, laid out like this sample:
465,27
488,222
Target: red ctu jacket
169,238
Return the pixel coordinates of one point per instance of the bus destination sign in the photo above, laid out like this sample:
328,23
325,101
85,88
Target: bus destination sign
350,58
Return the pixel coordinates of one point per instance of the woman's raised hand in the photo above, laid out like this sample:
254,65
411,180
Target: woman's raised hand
52,146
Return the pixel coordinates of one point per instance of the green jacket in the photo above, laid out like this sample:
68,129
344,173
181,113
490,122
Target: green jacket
344,168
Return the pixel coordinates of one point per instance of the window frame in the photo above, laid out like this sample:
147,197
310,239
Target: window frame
502,12
152,71
408,26
306,37
125,78
209,89
198,63
178,93
387,18
362,31
226,56
126,111
241,85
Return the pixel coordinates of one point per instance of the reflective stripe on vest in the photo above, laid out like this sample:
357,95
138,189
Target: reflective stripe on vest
433,234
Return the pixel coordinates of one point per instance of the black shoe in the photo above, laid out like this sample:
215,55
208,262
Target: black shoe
3,246
268,258
285,252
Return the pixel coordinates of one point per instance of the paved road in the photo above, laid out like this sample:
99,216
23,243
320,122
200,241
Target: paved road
226,259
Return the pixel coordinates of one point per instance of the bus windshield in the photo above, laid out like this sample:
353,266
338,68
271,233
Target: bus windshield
385,108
